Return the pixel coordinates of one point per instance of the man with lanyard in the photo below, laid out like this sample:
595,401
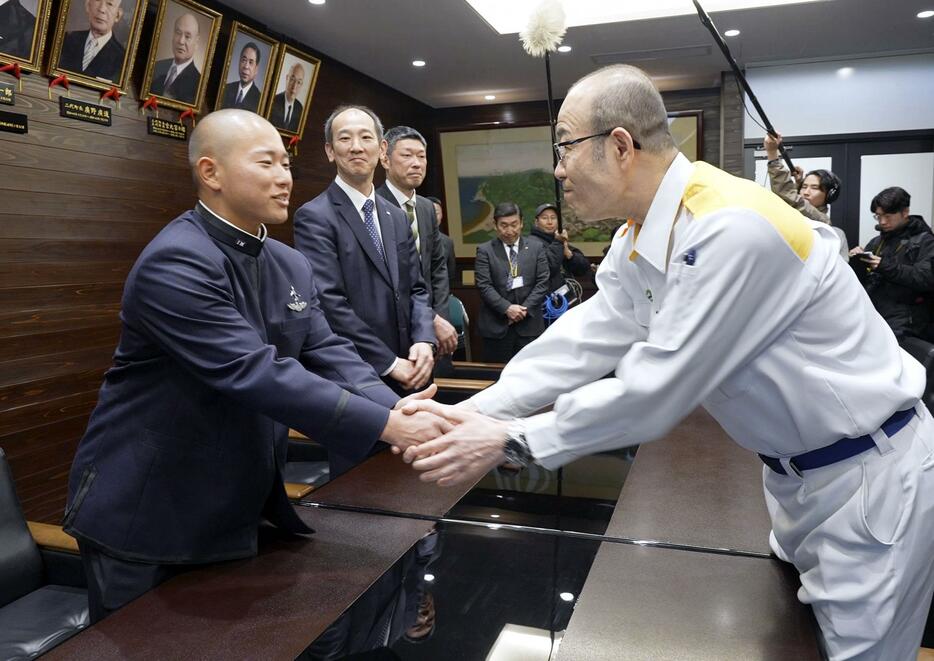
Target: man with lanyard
721,295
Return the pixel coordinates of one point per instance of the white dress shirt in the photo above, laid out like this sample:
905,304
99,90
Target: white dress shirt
740,308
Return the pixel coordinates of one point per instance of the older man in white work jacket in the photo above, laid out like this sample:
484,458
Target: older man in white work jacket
721,295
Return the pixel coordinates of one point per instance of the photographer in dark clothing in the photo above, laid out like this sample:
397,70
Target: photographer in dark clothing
562,256
896,266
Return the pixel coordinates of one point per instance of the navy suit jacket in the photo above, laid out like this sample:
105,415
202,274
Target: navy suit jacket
223,348
106,64
492,274
381,306
432,255
185,86
277,113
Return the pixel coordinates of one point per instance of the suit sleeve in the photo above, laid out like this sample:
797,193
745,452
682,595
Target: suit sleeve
316,238
421,314
452,261
184,304
484,280
537,296
440,287
334,358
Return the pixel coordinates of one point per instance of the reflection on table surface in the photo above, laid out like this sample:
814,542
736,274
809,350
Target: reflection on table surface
466,592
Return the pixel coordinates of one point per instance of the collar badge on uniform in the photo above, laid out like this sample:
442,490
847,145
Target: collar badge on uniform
297,304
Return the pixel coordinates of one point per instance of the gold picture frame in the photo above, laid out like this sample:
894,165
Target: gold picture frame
244,38
112,65
290,58
28,29
187,87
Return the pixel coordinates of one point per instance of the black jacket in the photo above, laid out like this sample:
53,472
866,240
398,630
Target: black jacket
902,288
554,251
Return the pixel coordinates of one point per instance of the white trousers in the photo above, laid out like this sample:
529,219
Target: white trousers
861,534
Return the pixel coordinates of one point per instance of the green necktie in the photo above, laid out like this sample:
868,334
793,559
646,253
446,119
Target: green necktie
413,222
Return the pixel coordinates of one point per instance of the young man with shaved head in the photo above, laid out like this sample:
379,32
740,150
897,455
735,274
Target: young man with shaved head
223,348
720,295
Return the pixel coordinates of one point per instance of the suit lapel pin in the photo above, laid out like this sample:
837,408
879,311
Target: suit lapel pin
297,304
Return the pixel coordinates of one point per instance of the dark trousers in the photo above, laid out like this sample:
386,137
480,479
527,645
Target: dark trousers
502,349
113,583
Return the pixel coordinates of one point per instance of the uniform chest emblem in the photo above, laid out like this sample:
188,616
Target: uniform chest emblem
648,295
297,304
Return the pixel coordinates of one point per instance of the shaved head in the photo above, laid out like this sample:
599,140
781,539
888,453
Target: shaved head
622,95
241,168
219,132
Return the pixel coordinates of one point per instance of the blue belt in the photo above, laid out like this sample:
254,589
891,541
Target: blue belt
842,449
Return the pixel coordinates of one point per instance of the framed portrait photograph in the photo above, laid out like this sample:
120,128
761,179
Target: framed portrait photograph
23,26
296,74
248,68
95,41
180,55
481,168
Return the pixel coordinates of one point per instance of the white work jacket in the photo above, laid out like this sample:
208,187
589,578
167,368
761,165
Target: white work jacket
725,297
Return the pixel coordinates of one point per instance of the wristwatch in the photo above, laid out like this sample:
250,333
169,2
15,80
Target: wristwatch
516,448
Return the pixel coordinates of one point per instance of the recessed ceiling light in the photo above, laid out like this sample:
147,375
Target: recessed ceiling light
731,33
564,49
489,97
513,16
429,578
566,596
927,13
418,63
845,72
494,516
316,2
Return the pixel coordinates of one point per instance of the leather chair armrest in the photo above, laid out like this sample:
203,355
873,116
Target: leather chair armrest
52,537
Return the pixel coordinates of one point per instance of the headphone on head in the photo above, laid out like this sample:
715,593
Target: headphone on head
829,183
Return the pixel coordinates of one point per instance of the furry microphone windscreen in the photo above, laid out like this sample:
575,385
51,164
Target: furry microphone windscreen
545,29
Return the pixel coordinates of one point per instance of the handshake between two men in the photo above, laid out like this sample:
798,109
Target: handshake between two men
451,445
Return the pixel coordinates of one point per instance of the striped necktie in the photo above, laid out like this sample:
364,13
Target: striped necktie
513,265
413,222
89,46
239,97
370,224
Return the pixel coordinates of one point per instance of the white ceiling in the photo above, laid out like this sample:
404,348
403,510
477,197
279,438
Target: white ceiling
467,59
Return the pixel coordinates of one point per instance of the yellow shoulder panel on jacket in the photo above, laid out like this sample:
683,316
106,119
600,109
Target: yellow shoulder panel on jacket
710,189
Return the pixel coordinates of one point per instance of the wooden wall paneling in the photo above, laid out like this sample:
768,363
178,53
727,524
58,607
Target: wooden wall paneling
80,202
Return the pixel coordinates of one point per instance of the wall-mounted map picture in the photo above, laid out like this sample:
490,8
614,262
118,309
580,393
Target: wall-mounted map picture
247,70
482,168
23,24
95,41
295,78
181,52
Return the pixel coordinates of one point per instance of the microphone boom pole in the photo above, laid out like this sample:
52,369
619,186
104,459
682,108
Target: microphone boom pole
705,19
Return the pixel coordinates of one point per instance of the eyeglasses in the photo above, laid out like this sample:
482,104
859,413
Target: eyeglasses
561,147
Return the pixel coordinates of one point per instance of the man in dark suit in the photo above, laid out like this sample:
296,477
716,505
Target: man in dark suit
17,27
286,111
95,52
364,256
446,242
223,348
244,93
177,77
512,275
404,159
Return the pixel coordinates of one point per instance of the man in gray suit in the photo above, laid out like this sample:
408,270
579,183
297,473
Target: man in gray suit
512,275
403,156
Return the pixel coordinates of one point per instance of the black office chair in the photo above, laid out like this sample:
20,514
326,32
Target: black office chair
43,601
923,352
